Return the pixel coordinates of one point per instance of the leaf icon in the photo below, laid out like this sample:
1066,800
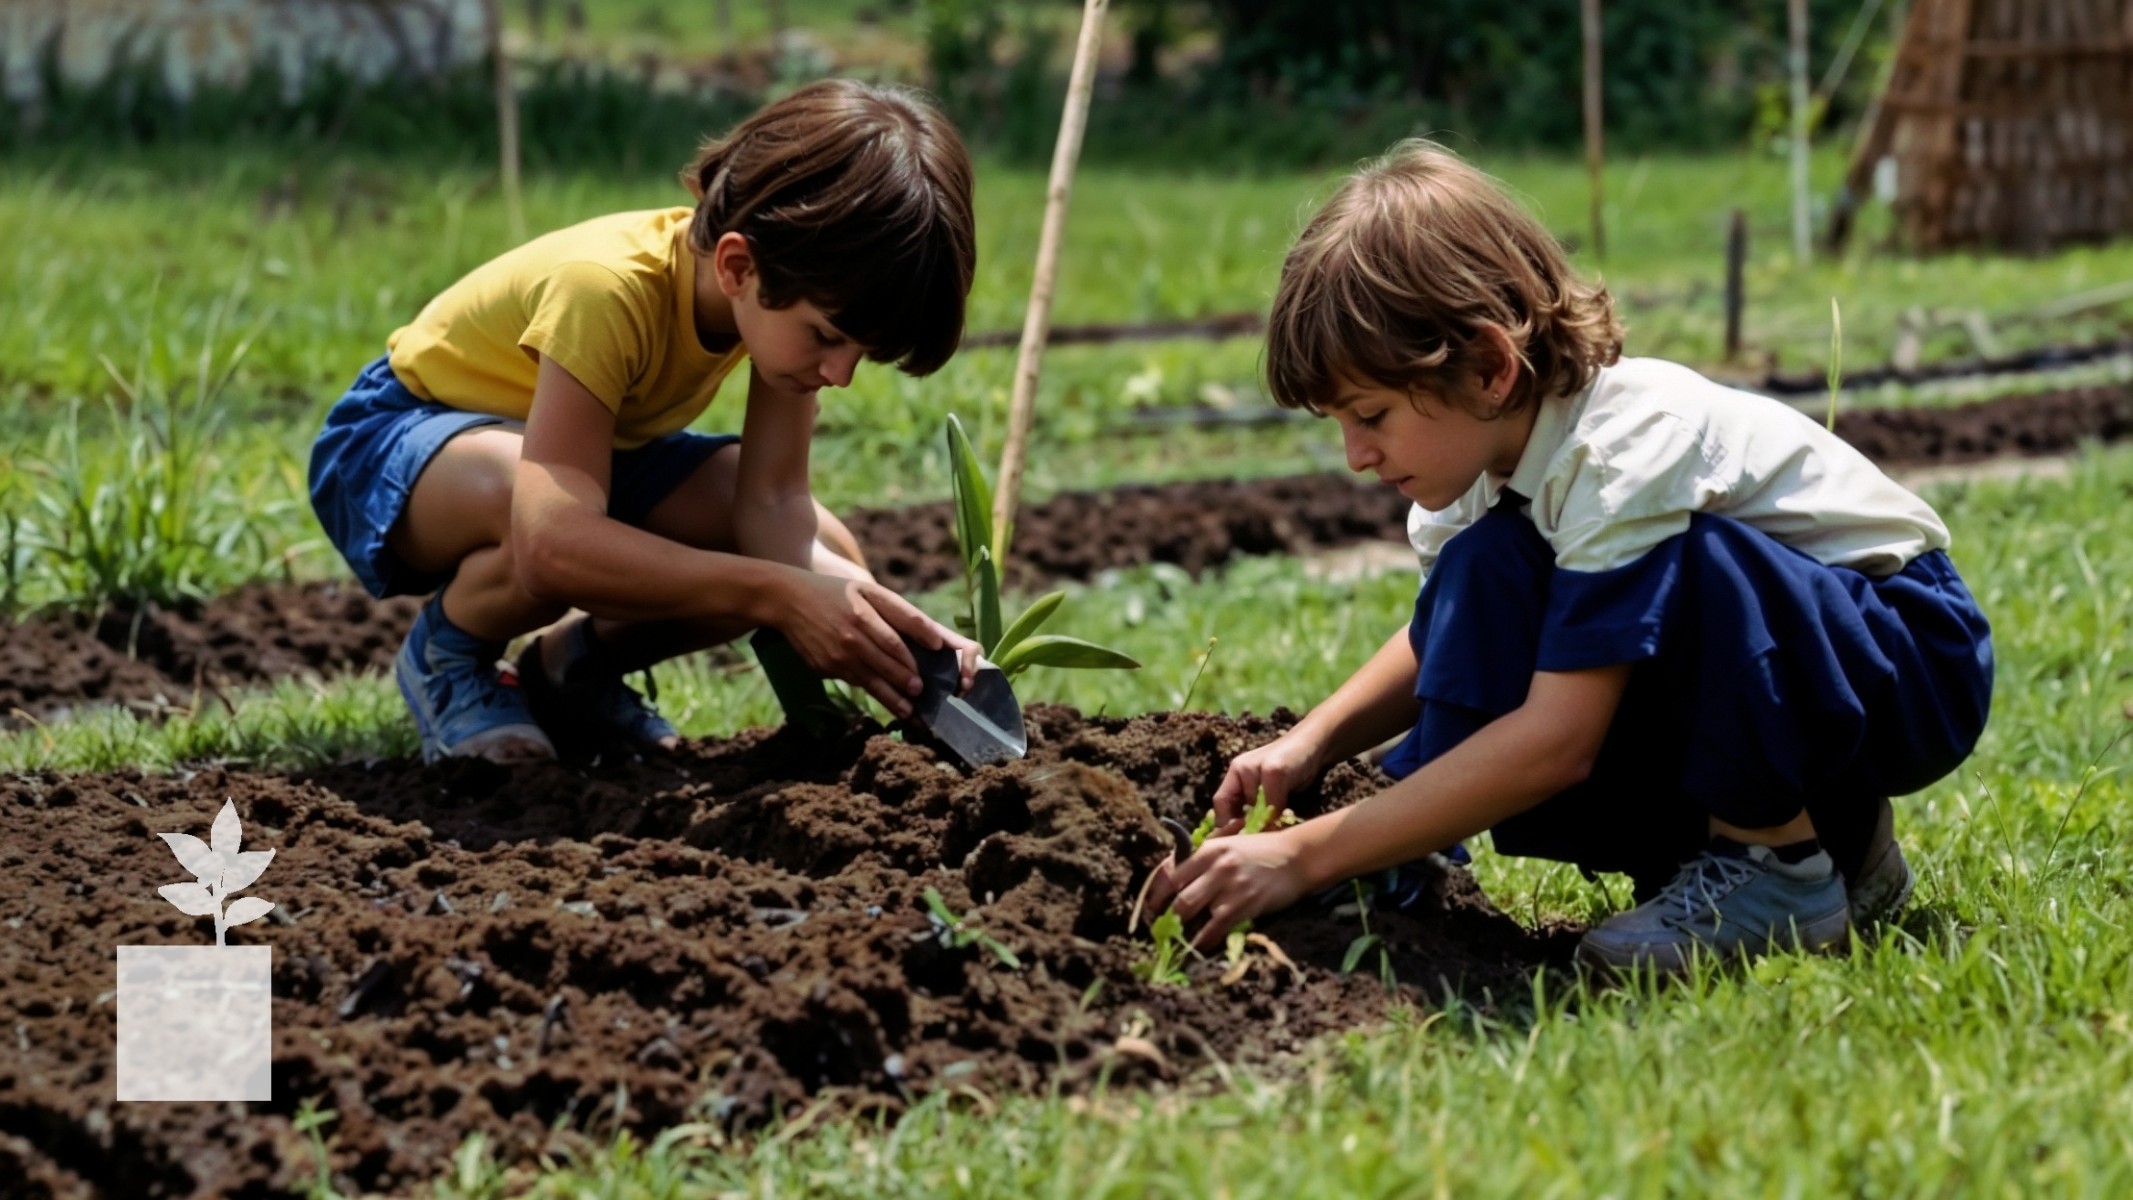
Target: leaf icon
243,870
191,898
251,908
194,855
227,831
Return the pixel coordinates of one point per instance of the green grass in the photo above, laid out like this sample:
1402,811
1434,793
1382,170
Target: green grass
149,257
342,249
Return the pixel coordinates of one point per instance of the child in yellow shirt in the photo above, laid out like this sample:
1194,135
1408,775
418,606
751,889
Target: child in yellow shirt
523,449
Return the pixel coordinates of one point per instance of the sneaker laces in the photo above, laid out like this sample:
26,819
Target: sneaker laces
452,675
1704,882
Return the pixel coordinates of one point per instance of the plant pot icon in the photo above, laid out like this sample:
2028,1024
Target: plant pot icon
196,1022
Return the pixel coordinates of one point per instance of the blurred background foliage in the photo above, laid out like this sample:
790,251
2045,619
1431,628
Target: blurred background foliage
1188,84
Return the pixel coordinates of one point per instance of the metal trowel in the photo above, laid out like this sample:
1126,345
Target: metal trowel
982,725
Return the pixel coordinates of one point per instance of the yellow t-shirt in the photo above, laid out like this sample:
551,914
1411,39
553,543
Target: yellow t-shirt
612,300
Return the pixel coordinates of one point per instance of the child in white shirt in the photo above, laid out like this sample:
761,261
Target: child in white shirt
1665,627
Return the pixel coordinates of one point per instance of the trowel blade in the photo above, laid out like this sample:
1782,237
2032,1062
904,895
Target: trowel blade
983,725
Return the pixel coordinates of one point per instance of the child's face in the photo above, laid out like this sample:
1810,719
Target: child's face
1430,450
794,349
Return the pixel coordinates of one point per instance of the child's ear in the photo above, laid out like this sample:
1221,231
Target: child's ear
733,261
1499,363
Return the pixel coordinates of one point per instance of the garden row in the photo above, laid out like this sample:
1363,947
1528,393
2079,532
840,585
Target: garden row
152,659
544,956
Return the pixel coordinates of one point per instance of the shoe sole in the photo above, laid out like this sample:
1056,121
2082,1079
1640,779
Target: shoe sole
1818,936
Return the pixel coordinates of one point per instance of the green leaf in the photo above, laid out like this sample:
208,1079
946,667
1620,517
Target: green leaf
1204,830
988,582
1058,650
1028,623
973,497
1356,950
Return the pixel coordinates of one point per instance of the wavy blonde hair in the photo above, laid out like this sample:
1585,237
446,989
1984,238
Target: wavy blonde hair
1395,279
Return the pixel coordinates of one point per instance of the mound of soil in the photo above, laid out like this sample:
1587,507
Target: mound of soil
156,659
727,934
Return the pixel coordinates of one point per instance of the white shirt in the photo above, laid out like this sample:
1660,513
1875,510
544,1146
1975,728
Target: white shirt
1615,470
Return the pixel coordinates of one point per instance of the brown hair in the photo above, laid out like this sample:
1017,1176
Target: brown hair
855,198
1396,277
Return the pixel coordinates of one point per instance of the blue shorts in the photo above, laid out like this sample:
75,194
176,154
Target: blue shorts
380,436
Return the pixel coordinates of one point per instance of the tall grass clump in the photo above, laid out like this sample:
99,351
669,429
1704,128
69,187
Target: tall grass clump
142,510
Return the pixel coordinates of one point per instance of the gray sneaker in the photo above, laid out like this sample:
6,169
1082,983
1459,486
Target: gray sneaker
1727,901
1880,883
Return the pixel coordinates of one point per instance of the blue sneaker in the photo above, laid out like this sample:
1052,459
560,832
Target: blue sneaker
1730,901
594,711
448,678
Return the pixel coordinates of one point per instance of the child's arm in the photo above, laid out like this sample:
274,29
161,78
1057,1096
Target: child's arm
1531,753
1377,702
566,548
773,507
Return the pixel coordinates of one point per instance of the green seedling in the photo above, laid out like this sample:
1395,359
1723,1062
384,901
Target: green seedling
1367,942
958,931
1165,964
1204,830
310,1122
1256,819
1015,646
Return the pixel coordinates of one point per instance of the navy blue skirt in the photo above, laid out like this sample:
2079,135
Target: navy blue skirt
380,436
1766,682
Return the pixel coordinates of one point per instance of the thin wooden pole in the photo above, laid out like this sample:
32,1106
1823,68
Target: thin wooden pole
1036,321
1803,246
1595,132
506,123
1736,280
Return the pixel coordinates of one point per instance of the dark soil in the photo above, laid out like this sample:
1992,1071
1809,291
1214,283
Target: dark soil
154,659
179,658
727,935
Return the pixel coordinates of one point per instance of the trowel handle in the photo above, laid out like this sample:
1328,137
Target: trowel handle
799,689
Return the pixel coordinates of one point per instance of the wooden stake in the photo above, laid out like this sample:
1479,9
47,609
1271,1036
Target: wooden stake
1803,246
1036,321
1736,282
1595,136
506,123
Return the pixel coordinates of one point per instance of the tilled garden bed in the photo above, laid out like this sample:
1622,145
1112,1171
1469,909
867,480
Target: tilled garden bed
158,659
728,935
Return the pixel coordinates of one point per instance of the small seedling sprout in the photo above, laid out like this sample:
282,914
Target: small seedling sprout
1367,942
1165,964
959,932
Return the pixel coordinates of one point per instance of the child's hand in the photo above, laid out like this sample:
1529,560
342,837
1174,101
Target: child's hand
1231,880
1277,768
847,629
